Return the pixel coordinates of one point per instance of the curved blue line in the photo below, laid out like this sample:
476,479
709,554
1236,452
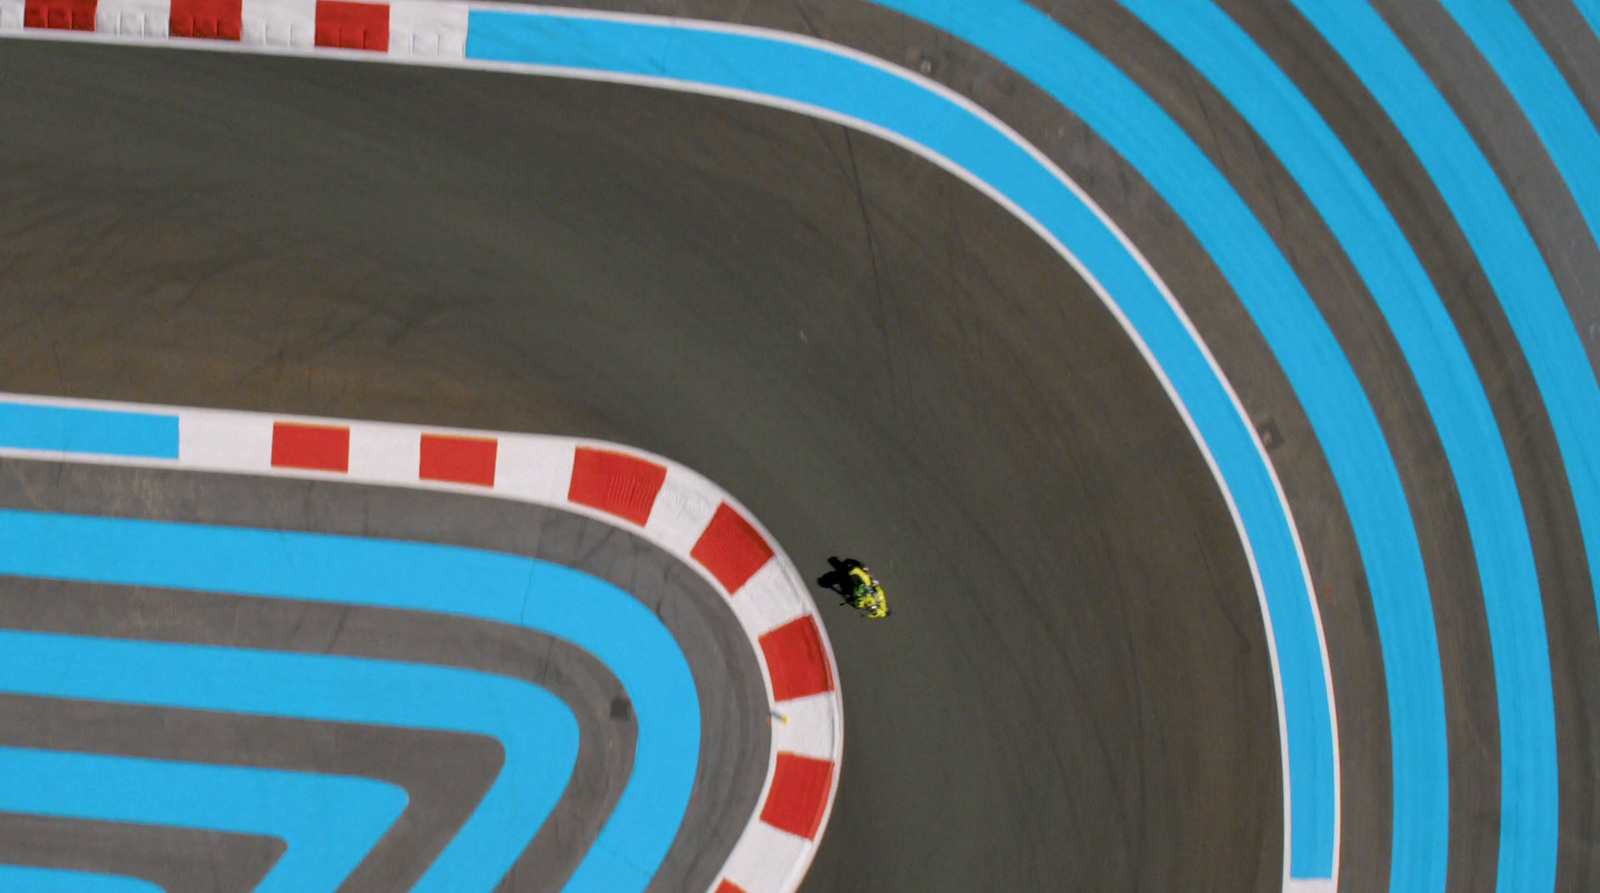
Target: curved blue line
594,615
27,879
1523,66
1561,369
327,836
1137,128
1456,401
1134,125
1591,13
1528,295
537,730
826,80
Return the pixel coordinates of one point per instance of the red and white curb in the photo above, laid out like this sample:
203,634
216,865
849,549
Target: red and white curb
417,28
663,502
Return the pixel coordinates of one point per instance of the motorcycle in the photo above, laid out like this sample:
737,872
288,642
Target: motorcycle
860,589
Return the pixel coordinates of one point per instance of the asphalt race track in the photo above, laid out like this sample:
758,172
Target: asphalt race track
1076,689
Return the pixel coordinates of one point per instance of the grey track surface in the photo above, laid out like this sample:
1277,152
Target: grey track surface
1525,429
875,360
1344,302
178,861
444,774
502,252
1429,227
1551,215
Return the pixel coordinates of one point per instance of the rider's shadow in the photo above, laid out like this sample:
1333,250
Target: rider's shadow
839,579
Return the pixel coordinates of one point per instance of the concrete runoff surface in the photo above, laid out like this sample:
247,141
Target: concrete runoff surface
1074,689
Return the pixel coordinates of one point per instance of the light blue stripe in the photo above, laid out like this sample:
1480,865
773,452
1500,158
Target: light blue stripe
1532,304
1591,13
1532,301
25,426
1561,370
327,836
594,615
27,879
1137,128
536,729
845,86
1456,401
1547,100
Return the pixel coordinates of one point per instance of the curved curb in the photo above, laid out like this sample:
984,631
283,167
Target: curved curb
669,505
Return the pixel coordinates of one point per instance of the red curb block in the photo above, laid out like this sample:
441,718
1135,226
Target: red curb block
731,549
353,26
207,19
798,795
796,660
313,447
59,15
461,460
617,483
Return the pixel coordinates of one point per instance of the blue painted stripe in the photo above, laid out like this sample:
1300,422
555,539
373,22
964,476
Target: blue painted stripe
326,836
1456,401
592,614
28,879
536,729
1533,305
1561,369
1546,99
1137,128
26,426
849,87
1591,13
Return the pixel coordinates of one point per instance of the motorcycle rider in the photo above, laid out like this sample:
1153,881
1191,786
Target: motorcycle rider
854,581
840,579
